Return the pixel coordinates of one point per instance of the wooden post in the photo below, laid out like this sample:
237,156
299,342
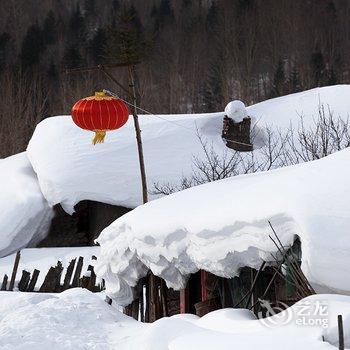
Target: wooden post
135,309
14,271
52,281
132,94
84,282
184,301
138,135
4,283
58,271
340,332
33,280
92,279
152,296
24,281
163,296
68,276
204,285
142,304
77,273
252,281
154,300
147,300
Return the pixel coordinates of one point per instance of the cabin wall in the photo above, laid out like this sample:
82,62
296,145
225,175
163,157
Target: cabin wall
102,215
83,227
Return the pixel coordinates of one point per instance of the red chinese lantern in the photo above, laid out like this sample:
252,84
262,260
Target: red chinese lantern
100,113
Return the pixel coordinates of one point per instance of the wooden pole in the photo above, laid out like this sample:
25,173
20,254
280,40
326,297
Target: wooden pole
131,94
341,332
14,271
131,70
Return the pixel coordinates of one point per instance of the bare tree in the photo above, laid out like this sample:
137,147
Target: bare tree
25,103
327,135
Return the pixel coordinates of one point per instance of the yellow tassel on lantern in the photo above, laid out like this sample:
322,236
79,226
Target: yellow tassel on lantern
99,136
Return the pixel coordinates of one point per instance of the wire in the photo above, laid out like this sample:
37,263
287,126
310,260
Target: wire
145,111
169,121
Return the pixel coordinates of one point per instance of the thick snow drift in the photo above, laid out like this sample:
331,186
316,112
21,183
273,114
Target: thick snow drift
223,225
71,169
78,319
25,214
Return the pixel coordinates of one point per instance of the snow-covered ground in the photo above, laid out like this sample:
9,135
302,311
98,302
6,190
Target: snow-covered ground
78,319
25,214
218,227
71,169
223,225
43,258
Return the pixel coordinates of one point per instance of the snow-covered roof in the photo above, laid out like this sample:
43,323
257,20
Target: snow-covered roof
223,225
71,169
25,214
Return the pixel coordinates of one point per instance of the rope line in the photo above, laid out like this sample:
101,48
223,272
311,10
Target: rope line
145,111
157,116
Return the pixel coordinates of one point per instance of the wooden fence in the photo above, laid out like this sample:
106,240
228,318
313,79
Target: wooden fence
52,282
